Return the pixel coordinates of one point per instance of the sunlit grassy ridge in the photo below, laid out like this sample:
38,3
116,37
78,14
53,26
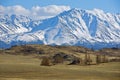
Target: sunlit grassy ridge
18,67
23,63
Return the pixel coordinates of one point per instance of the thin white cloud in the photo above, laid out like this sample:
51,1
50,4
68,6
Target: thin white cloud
17,9
35,11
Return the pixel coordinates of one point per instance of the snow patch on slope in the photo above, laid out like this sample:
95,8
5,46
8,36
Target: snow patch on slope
92,29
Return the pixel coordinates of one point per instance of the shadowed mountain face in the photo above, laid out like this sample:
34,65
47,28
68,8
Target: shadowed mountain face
93,29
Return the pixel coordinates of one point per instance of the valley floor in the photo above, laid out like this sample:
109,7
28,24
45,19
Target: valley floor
18,67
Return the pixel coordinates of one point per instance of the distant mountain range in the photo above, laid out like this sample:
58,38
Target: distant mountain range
92,29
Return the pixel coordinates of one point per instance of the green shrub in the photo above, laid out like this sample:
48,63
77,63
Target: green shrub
45,61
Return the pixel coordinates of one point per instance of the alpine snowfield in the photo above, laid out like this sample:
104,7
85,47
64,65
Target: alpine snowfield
93,29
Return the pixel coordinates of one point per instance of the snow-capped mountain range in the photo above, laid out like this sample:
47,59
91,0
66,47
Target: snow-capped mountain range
93,29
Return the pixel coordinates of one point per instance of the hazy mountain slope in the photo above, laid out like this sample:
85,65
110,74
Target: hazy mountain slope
95,29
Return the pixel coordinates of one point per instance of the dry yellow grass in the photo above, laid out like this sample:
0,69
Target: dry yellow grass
18,67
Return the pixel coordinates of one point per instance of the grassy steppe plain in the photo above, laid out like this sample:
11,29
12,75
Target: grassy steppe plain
19,67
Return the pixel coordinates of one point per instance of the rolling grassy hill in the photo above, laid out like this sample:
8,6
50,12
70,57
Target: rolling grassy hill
23,63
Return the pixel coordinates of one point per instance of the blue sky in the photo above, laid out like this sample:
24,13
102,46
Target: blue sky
41,9
106,5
